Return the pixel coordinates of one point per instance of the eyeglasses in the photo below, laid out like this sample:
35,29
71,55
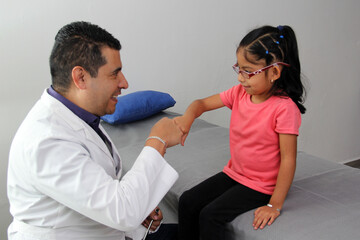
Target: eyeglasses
248,75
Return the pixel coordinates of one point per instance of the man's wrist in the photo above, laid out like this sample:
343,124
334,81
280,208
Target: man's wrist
158,138
158,143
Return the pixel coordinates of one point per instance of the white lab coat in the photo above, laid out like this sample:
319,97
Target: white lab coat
62,182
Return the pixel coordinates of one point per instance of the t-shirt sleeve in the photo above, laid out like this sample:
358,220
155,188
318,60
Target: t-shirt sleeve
228,97
288,119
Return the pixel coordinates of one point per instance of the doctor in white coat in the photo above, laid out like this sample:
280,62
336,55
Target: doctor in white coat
64,176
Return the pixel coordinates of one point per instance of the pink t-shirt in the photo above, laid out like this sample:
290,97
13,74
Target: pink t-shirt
254,137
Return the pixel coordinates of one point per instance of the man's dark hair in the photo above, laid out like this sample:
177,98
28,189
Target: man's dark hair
78,44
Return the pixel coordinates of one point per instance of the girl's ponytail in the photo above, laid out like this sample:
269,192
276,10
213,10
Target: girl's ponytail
291,76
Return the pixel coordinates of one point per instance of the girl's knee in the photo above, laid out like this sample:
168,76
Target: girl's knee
185,200
190,203
206,215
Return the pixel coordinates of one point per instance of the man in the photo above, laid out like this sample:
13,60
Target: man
64,176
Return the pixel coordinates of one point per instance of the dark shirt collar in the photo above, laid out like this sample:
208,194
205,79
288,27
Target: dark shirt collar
89,118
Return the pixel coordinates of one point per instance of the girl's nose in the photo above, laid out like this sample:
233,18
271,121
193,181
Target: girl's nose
241,79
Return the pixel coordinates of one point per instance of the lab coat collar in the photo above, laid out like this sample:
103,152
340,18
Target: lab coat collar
76,123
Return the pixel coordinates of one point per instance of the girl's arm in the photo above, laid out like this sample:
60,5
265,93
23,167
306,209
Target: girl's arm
195,109
288,149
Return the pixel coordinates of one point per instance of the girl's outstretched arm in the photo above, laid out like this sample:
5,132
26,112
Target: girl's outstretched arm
195,109
288,149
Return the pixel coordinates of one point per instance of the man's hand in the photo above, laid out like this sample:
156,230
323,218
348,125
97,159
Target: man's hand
167,130
156,216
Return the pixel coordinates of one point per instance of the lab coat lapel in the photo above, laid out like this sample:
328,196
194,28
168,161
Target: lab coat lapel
116,155
94,137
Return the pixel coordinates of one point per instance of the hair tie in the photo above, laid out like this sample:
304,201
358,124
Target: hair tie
280,27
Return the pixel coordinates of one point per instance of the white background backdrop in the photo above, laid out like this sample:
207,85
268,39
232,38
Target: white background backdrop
187,48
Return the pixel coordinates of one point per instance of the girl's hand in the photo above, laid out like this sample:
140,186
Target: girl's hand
184,124
264,215
195,109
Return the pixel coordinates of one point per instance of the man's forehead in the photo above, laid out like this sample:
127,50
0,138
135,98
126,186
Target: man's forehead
112,57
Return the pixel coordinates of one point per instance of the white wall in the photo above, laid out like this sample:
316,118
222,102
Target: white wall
187,48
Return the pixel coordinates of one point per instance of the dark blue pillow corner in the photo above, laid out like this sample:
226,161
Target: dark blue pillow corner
139,105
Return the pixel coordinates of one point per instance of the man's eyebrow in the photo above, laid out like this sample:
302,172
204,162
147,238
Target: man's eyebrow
115,72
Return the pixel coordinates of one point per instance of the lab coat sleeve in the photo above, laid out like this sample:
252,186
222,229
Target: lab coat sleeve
65,171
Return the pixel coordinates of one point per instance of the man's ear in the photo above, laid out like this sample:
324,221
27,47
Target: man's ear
78,77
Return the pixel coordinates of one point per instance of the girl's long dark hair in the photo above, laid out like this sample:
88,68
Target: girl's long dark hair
278,45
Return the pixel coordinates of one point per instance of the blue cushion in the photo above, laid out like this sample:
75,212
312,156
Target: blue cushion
139,105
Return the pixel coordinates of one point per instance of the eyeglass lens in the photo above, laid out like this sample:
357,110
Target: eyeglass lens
243,73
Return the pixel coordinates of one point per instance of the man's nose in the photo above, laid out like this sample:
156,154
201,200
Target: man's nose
123,83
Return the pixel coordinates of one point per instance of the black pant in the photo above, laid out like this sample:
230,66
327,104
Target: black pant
205,209
165,232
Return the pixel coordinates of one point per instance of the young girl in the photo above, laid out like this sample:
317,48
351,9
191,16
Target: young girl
265,122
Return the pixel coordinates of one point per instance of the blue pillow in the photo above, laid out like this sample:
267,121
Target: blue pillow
139,105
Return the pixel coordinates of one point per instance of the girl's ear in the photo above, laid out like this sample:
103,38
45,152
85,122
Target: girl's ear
78,77
276,73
